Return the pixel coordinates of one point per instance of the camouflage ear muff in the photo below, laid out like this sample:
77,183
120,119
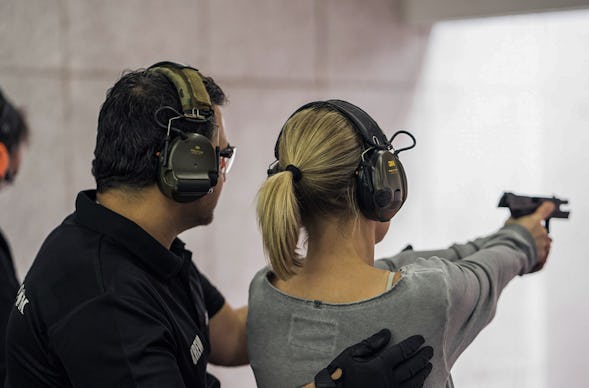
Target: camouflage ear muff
192,92
381,180
189,163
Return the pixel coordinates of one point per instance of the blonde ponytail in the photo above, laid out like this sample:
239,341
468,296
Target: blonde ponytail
325,152
279,218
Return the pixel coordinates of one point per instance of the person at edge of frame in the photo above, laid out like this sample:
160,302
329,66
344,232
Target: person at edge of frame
14,135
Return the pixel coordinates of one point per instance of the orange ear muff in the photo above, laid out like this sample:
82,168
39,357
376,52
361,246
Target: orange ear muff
4,160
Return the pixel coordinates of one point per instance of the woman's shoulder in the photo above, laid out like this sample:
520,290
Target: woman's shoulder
261,274
259,282
418,282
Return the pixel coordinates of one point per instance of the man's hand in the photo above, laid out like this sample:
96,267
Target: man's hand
371,363
533,223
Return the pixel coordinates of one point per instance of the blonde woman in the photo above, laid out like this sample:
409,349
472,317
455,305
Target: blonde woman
338,180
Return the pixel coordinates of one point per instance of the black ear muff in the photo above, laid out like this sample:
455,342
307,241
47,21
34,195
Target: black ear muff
389,185
381,181
190,170
381,185
189,163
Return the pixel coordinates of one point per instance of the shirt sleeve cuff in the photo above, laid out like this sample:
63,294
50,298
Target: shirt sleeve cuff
530,242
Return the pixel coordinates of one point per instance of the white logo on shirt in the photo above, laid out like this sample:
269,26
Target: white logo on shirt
196,349
21,300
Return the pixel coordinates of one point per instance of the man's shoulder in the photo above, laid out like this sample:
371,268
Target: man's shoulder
74,249
62,252
76,265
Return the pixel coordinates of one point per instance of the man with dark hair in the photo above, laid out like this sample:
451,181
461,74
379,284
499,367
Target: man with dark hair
14,134
113,298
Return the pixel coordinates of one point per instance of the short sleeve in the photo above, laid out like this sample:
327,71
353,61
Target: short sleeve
214,300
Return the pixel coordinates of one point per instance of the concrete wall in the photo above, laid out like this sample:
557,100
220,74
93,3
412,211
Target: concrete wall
419,11
477,135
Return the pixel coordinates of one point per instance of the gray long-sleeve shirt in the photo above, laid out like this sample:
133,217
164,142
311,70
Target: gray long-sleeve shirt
448,296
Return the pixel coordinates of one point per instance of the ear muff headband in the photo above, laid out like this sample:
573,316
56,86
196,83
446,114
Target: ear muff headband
189,163
192,92
381,179
363,124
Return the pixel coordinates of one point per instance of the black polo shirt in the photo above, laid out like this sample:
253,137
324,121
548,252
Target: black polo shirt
105,305
8,287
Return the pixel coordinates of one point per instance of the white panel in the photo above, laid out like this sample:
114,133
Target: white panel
501,105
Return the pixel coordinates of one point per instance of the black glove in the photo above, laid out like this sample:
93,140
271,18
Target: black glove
371,363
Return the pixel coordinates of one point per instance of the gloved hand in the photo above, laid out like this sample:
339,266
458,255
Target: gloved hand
371,363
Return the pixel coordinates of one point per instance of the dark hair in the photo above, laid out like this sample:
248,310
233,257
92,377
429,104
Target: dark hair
13,126
129,139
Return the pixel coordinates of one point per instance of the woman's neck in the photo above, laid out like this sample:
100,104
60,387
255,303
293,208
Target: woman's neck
339,266
334,244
